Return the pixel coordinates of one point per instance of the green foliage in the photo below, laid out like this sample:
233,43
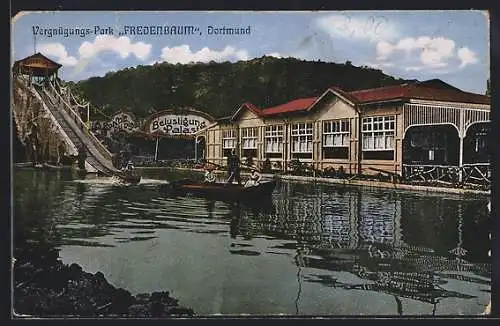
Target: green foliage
219,88
297,167
266,166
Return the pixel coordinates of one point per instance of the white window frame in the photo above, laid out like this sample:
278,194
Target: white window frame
249,138
335,130
302,137
378,133
228,139
273,139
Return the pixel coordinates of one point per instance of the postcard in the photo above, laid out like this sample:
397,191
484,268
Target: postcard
178,164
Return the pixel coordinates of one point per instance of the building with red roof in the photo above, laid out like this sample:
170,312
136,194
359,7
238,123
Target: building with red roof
393,130
36,65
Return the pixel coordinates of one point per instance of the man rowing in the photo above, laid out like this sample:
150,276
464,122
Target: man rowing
233,166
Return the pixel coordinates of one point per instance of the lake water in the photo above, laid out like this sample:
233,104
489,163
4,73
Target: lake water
311,250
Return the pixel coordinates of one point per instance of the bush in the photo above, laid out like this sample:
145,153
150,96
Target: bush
266,166
297,167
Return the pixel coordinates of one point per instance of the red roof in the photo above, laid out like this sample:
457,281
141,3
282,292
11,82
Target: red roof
434,90
252,108
248,106
293,106
418,90
344,94
379,94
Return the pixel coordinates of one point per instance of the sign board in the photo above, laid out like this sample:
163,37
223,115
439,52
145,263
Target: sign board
123,121
119,122
172,123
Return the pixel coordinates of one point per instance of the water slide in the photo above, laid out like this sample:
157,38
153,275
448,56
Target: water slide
62,110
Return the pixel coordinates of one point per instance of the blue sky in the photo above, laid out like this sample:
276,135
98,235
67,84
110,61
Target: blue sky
449,45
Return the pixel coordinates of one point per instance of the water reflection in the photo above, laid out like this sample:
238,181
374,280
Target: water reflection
403,244
361,233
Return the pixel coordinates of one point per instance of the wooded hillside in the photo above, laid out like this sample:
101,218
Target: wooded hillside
219,88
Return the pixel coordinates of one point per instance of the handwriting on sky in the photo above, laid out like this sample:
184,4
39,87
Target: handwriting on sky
371,26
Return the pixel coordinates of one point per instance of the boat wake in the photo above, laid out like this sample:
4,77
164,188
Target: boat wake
153,181
117,182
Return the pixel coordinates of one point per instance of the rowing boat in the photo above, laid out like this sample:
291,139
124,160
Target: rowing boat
223,190
127,177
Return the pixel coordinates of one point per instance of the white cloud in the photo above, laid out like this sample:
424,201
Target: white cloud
384,49
370,28
466,57
275,54
58,52
424,53
434,52
183,54
378,65
414,68
434,71
120,45
88,50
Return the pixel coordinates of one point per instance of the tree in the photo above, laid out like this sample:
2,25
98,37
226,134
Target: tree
219,88
488,87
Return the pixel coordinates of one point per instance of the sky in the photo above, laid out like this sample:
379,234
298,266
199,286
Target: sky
450,45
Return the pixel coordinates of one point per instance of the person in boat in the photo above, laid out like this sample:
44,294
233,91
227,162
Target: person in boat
129,167
233,164
254,179
209,176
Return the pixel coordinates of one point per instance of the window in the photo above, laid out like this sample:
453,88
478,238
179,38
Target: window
336,139
302,134
378,136
336,133
249,138
228,141
273,139
378,133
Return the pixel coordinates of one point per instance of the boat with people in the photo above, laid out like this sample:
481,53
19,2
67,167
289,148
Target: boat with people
254,188
224,190
127,178
127,175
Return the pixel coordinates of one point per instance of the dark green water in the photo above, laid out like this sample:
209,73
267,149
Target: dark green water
313,250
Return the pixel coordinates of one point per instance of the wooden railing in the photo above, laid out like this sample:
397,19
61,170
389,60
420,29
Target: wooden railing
72,148
478,174
81,124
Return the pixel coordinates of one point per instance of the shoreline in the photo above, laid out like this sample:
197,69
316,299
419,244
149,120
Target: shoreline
369,184
45,287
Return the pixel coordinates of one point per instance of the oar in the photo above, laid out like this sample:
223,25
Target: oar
242,164
251,167
225,167
217,165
